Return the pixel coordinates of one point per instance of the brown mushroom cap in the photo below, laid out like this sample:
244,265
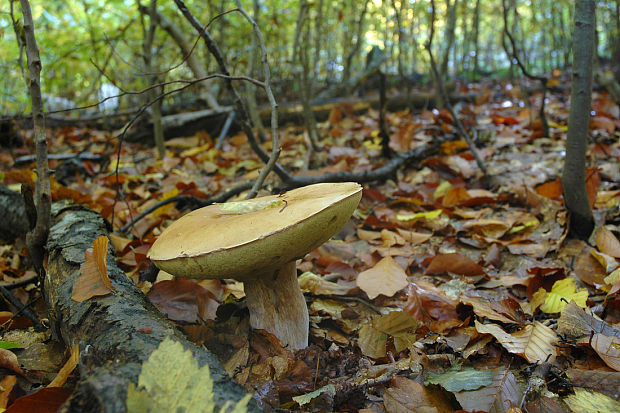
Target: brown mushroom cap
212,243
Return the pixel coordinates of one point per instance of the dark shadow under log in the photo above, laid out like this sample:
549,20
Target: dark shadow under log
116,333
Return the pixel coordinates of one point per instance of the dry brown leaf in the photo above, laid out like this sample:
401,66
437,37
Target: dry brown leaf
608,348
94,279
405,395
8,360
455,196
454,263
120,243
387,277
414,238
67,369
499,397
6,387
606,382
483,308
535,342
607,243
372,341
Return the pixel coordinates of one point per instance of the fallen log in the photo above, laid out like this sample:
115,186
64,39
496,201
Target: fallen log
13,220
116,333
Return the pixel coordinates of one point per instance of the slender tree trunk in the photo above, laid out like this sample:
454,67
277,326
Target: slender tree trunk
476,38
153,94
191,58
39,215
449,35
574,176
354,44
250,87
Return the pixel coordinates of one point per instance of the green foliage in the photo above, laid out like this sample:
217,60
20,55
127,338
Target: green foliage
171,381
8,345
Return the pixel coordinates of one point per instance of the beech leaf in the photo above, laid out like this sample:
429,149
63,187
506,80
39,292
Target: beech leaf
535,342
94,280
387,277
171,381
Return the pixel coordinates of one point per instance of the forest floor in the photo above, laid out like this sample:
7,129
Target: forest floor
440,294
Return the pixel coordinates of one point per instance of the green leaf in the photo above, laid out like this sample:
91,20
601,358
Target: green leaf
7,345
455,380
171,381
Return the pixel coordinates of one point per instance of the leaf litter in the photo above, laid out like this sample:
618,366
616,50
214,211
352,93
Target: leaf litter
436,279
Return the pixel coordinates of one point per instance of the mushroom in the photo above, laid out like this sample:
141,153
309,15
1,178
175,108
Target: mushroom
257,242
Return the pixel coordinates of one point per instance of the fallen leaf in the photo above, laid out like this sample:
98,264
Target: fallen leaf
67,369
498,397
454,263
562,292
405,395
458,379
607,243
387,277
170,381
535,342
6,387
310,282
183,300
608,348
8,360
587,402
45,400
94,280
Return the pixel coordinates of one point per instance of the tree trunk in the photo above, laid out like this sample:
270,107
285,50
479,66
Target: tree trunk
197,68
574,176
449,36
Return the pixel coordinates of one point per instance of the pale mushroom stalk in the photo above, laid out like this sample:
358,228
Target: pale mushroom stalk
277,305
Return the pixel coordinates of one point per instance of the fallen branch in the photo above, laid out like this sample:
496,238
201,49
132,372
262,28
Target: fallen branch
116,333
381,173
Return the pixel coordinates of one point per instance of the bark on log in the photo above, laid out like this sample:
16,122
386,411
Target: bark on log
13,220
116,333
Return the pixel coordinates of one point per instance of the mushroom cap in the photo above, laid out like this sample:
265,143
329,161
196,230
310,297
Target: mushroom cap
224,241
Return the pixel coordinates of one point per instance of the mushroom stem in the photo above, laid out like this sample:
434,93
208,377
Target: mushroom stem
277,305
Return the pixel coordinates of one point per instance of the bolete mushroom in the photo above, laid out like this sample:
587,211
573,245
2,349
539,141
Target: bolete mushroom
257,242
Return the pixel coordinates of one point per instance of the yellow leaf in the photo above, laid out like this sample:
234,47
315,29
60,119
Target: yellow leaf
537,300
195,151
165,209
172,381
94,279
584,401
613,278
562,292
420,215
441,189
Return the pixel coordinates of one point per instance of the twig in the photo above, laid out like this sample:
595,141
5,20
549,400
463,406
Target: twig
275,145
199,202
383,172
225,129
348,298
446,99
542,79
244,118
19,282
11,299
86,156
